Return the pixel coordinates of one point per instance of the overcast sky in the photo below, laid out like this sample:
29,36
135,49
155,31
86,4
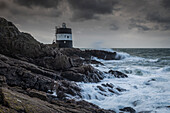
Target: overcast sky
94,23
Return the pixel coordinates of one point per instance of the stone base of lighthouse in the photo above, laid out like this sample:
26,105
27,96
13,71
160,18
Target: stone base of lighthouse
65,43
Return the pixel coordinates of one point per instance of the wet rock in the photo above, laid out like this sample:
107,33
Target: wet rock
147,83
120,89
128,109
110,85
118,74
102,94
66,88
101,89
102,54
151,80
104,85
85,73
113,91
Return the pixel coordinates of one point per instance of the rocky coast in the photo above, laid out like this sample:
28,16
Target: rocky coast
41,78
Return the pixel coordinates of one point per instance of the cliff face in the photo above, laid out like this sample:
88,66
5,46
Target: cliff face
31,71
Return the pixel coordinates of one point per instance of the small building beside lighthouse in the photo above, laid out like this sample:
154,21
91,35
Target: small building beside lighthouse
64,36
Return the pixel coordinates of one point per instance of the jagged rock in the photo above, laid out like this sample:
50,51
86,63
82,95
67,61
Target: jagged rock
113,91
85,73
66,88
118,74
128,109
104,85
110,85
120,89
100,88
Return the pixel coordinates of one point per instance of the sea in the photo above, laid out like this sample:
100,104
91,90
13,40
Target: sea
147,88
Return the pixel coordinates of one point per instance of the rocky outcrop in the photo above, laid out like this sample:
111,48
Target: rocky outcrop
86,56
23,46
101,54
29,94
85,73
15,102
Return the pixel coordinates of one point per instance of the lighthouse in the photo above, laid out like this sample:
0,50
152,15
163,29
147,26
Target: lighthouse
64,36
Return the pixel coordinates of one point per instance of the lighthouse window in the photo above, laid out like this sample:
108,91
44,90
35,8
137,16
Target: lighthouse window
67,36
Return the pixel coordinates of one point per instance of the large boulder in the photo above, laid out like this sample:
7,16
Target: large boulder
85,73
67,89
106,55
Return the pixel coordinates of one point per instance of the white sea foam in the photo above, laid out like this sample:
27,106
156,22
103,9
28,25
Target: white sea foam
147,86
141,94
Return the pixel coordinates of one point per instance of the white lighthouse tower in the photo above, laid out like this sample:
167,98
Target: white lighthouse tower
64,37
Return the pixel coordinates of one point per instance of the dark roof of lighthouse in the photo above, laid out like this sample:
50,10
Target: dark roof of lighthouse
63,31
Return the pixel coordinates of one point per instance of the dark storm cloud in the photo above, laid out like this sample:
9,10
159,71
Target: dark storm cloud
41,3
166,3
138,24
3,5
93,19
150,15
29,8
156,17
162,20
88,9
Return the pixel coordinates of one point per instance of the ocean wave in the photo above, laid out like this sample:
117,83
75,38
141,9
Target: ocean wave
122,55
126,56
165,69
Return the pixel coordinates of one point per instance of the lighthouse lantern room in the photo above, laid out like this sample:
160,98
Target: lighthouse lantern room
64,36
